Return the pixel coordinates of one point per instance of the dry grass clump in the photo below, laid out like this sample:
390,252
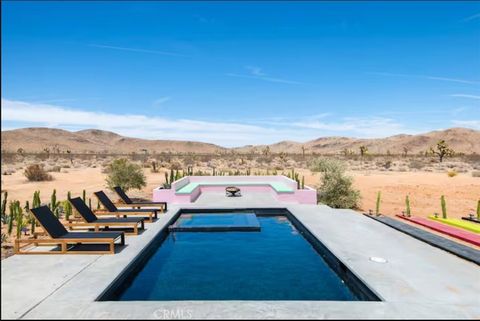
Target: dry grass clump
452,173
36,173
55,168
416,164
476,174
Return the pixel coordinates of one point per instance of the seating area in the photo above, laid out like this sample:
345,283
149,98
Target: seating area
469,226
100,235
188,189
469,237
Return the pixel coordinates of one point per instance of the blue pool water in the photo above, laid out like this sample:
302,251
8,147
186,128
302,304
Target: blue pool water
277,263
217,222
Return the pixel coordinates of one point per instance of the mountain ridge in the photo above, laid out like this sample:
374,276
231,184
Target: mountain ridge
36,139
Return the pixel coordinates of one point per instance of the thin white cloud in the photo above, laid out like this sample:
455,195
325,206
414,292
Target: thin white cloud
161,100
473,124
457,80
362,127
142,126
269,79
257,73
165,53
472,17
466,96
19,114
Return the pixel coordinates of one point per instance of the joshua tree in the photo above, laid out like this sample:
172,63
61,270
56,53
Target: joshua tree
303,151
363,150
405,151
145,154
266,151
442,150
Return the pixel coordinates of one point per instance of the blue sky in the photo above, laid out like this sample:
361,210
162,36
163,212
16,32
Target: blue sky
236,73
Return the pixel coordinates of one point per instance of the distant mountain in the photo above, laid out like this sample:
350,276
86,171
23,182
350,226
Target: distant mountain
460,139
94,140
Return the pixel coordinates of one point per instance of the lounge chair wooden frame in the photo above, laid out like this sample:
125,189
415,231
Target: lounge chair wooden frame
21,244
97,227
148,215
127,202
82,223
63,243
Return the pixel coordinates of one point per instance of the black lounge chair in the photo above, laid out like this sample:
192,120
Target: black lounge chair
70,242
111,209
90,219
128,202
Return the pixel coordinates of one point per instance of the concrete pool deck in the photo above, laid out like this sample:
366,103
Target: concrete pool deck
418,280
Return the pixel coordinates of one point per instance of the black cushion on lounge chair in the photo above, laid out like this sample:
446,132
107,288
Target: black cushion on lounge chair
103,198
128,200
49,222
122,195
91,235
90,217
83,209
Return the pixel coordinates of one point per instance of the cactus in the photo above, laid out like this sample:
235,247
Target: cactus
30,217
19,219
478,210
166,184
67,208
407,205
89,203
4,205
444,207
172,176
54,203
377,206
11,218
84,196
36,199
303,182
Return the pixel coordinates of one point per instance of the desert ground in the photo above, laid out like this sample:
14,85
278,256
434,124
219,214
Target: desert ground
424,179
423,188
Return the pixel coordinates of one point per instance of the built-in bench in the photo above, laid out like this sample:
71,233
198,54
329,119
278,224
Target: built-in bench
276,186
188,189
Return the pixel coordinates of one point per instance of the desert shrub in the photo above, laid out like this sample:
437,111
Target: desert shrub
54,169
476,174
335,188
387,164
416,164
176,165
125,174
36,173
452,173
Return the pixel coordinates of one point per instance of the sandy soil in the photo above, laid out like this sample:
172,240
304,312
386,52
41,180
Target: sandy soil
424,188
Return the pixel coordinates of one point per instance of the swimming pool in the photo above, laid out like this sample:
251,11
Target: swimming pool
276,262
